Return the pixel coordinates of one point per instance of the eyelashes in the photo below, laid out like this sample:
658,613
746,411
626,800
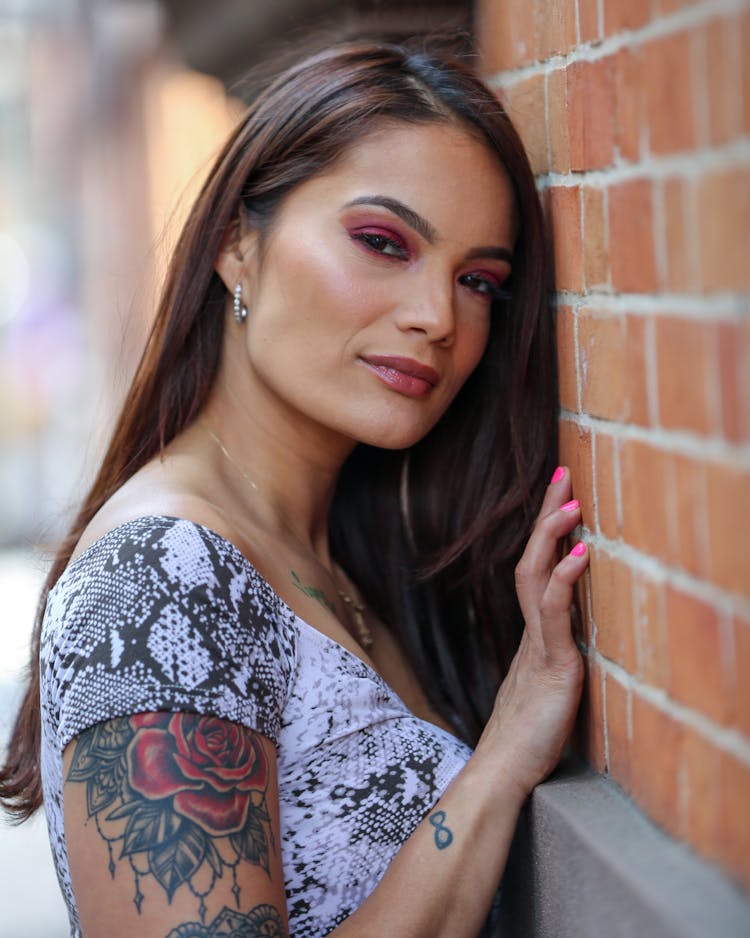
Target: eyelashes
380,243
389,246
485,287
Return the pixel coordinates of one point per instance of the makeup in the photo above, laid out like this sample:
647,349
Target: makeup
405,375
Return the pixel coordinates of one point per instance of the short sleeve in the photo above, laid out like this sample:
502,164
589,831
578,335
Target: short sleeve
164,614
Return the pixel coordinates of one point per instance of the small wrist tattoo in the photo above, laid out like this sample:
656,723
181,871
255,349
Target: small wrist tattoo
443,835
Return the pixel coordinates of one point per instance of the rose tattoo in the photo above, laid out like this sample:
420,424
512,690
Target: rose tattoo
184,796
207,766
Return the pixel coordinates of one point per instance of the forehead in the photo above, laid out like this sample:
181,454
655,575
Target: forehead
441,171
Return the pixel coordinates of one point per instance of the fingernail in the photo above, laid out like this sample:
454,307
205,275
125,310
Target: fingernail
579,550
558,474
569,506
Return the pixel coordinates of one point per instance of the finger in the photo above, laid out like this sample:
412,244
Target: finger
558,491
554,609
541,554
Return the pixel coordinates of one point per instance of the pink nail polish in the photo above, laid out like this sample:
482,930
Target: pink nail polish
579,550
557,475
569,506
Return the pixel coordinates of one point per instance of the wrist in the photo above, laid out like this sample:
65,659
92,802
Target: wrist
493,771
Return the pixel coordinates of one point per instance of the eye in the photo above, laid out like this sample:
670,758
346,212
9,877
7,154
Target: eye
484,286
380,243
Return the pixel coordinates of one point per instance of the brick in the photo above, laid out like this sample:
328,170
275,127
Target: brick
701,762
722,66
606,485
505,33
741,635
729,526
698,677
686,359
566,358
555,27
565,214
735,818
630,103
595,239
688,504
612,608
591,716
724,208
557,124
526,109
718,808
670,6
591,120
649,615
655,758
668,76
589,27
636,368
734,379
601,364
575,452
644,504
625,14
745,70
618,731
631,237
680,238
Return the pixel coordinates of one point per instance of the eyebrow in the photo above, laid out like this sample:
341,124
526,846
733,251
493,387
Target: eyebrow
406,214
423,227
500,254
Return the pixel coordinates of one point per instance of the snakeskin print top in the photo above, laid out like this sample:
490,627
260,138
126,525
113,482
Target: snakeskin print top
164,614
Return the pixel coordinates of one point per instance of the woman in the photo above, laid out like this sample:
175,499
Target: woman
285,606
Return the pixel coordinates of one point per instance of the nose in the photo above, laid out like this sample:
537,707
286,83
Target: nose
430,310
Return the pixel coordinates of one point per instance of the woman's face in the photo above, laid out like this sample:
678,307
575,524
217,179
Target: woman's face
372,302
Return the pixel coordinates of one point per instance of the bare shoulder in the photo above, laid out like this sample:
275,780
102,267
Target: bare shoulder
155,491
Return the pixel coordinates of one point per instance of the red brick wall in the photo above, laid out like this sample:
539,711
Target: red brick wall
636,114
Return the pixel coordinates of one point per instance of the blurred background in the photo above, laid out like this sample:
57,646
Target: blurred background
110,113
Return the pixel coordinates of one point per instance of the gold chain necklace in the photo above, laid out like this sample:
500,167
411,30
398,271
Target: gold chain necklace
228,455
364,635
357,610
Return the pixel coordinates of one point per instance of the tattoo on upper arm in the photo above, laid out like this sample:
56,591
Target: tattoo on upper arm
443,835
262,922
184,796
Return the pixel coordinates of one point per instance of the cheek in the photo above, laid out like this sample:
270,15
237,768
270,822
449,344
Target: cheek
316,286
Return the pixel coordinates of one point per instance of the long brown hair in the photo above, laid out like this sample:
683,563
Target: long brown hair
430,535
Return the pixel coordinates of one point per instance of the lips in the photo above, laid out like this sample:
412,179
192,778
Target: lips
405,375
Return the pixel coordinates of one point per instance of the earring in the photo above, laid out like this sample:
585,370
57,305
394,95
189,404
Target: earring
240,310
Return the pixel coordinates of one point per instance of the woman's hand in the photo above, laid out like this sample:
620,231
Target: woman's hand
536,705
445,888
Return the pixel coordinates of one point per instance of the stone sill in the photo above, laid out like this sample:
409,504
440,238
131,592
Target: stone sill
587,863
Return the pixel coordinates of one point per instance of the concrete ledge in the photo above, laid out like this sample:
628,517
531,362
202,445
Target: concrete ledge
587,863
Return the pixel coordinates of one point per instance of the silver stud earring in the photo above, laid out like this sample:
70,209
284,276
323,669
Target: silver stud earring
240,310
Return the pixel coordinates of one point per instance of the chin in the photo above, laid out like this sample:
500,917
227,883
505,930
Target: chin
393,437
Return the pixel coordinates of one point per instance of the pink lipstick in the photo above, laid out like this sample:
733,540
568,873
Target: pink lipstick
405,375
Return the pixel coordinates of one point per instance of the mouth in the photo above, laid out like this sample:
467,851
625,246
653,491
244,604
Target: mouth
405,375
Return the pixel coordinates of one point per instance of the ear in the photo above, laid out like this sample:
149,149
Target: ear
236,254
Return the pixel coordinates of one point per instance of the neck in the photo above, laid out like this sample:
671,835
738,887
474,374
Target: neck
282,468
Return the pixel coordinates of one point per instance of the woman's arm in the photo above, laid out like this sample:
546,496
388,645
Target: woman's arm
172,829
181,807
442,882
